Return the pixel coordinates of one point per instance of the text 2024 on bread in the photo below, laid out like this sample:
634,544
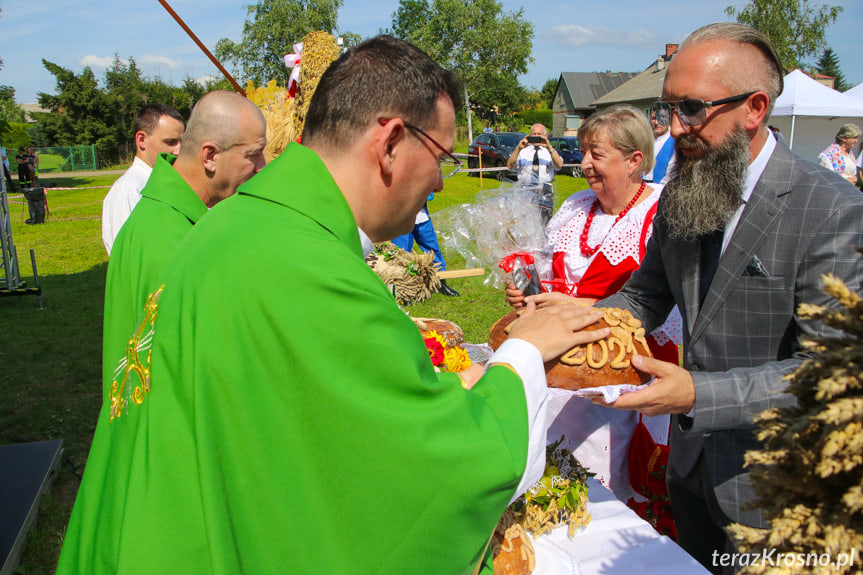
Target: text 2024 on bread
604,362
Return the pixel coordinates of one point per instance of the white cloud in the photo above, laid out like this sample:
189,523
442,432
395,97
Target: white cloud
204,80
96,61
150,61
573,36
145,63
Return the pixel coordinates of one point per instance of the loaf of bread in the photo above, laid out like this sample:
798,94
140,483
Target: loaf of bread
450,331
512,552
604,362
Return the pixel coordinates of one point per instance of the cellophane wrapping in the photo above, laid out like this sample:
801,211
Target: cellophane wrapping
500,231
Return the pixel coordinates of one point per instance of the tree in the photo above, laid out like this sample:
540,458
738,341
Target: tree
408,18
83,112
272,28
474,38
10,111
80,114
549,91
828,64
795,27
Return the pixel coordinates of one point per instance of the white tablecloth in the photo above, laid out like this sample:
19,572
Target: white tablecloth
615,542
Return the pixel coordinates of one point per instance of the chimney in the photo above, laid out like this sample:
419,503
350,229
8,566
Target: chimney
659,65
670,49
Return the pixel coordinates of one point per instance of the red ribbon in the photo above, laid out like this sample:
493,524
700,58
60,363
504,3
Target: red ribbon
508,263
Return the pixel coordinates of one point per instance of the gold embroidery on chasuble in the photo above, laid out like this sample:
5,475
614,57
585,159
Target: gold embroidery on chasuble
135,365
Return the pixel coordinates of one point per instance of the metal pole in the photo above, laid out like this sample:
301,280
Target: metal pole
8,256
202,47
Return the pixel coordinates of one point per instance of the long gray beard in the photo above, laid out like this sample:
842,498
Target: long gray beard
703,193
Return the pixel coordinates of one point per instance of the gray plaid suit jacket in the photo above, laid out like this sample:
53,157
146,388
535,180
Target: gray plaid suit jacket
801,221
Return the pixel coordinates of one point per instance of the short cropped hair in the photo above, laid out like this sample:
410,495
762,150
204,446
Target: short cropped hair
382,77
628,130
148,117
767,77
847,131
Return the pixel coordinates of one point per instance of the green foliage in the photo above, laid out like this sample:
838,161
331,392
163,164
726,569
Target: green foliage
795,27
81,113
10,111
487,47
548,92
85,113
531,117
272,28
500,95
14,135
828,64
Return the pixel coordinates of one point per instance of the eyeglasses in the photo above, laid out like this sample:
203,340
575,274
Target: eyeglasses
449,164
692,111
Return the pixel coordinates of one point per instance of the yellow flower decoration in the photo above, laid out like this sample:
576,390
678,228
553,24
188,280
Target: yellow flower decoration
456,359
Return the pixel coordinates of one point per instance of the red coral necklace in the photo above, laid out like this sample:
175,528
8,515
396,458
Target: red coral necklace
588,251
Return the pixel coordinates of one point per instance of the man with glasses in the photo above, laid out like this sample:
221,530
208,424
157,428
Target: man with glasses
270,429
424,233
744,233
535,160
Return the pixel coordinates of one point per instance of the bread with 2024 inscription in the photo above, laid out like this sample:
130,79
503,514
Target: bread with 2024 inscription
603,362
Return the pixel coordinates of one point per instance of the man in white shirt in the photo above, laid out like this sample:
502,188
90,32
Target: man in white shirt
534,158
158,129
536,161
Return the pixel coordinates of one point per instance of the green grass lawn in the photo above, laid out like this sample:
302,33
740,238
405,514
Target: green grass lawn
50,378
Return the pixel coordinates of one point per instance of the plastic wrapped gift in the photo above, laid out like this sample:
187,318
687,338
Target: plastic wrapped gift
501,231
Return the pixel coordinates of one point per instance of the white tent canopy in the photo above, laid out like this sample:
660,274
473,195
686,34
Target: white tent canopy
810,114
856,91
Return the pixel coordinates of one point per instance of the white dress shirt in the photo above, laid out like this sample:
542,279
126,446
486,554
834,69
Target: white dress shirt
121,199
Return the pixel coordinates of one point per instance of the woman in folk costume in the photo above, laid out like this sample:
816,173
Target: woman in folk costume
597,239
839,156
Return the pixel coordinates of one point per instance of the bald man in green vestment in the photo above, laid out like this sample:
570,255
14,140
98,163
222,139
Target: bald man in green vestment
269,429
222,147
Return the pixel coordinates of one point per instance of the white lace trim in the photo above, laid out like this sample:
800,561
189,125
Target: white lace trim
617,242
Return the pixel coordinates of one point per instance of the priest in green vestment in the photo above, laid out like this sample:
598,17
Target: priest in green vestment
285,417
222,148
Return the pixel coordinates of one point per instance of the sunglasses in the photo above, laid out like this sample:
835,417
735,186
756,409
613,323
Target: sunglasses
692,111
448,164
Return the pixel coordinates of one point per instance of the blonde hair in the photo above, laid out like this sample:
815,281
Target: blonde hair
628,131
847,131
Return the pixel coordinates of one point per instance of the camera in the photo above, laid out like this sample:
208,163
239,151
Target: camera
534,139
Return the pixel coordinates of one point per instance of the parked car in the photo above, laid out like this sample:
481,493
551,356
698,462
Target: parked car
567,147
496,148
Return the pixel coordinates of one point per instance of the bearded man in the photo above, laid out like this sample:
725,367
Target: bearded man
744,232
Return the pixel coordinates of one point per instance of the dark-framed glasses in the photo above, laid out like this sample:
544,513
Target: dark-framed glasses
691,111
448,164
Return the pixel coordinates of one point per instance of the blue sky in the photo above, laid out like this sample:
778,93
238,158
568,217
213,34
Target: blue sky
570,36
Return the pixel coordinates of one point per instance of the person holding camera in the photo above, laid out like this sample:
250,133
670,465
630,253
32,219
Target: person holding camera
534,158
535,161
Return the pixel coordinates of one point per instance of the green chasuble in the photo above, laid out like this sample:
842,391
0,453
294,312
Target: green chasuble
293,422
161,219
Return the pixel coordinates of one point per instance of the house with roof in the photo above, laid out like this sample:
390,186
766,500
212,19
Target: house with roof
642,90
576,92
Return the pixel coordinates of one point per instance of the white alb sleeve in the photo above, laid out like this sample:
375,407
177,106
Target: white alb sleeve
526,360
